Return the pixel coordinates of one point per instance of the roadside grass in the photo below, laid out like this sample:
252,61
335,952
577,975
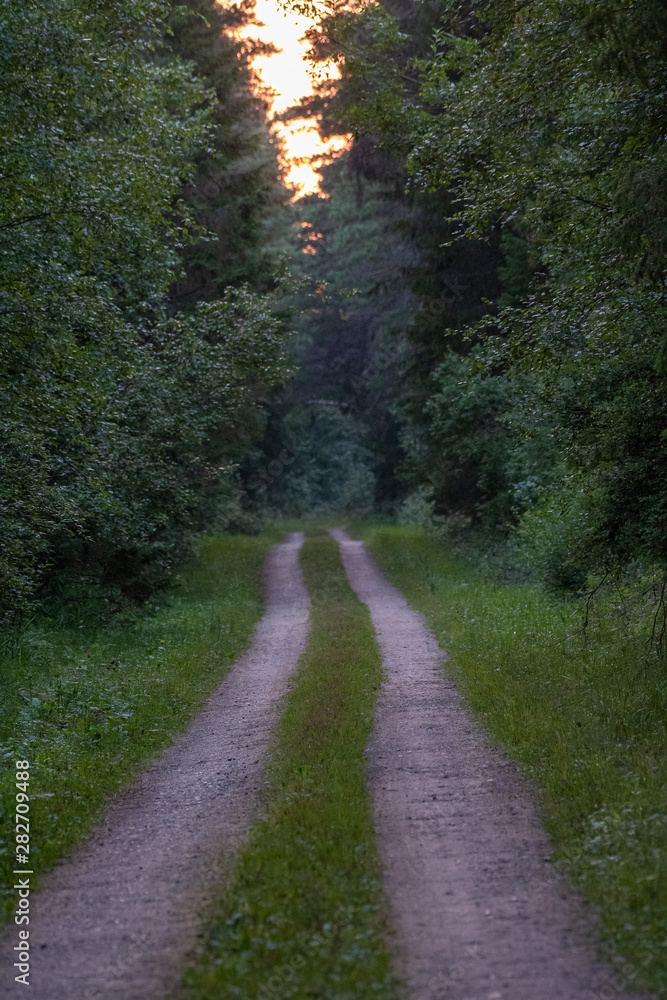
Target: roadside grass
88,705
303,915
585,716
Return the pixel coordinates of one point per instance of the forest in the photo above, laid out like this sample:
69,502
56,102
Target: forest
490,338
456,347
474,308
139,299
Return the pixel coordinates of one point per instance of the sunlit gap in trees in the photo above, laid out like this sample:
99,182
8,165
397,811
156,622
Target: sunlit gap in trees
286,73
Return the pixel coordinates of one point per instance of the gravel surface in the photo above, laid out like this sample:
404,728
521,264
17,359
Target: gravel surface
479,912
122,915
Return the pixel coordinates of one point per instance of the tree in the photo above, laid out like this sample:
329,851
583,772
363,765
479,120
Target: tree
236,188
332,438
107,404
544,124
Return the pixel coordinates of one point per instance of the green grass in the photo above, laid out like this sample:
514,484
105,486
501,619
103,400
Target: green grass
303,917
89,706
585,715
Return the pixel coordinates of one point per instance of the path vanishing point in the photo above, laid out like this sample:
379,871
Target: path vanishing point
478,913
118,919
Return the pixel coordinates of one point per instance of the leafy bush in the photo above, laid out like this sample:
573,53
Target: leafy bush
118,423
543,127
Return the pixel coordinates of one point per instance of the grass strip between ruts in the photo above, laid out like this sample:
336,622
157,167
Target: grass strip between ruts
303,916
89,705
585,715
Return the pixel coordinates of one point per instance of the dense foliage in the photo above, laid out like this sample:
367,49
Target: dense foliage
117,417
551,124
235,189
331,441
484,330
534,132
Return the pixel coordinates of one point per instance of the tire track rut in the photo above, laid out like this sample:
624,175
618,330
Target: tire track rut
479,913
120,917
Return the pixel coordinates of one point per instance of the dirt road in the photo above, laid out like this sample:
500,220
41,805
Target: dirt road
119,918
480,913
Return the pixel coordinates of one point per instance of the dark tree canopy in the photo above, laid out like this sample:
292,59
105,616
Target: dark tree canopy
530,143
119,417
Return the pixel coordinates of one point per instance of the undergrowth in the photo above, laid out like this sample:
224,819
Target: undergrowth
89,704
